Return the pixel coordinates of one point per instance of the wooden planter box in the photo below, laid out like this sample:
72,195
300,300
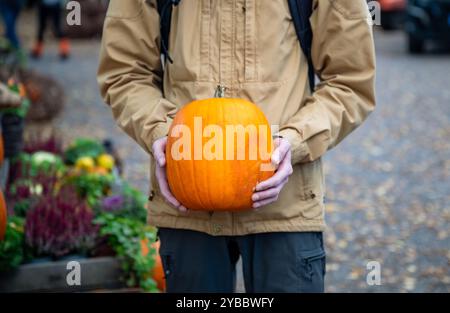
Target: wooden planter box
96,274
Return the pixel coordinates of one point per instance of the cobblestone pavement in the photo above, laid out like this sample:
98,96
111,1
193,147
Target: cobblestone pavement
388,184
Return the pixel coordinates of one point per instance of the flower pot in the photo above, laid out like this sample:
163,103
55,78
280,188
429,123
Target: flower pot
40,260
45,94
71,257
12,128
51,276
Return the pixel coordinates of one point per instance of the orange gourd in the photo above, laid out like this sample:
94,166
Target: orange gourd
158,271
2,150
218,172
3,216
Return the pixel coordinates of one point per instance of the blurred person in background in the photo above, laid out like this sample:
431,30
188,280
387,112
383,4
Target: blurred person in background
50,9
8,99
9,11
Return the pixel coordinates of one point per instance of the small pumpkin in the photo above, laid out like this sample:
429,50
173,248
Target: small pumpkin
2,150
158,270
3,216
224,180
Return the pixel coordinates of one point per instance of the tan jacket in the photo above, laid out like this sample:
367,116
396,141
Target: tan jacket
251,47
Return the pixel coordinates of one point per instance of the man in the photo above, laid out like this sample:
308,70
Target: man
251,48
51,9
8,100
9,11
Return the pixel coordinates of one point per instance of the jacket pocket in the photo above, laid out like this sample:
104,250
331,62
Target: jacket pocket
312,269
311,176
125,9
353,9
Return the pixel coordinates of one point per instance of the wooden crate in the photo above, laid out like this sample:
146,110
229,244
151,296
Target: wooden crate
96,274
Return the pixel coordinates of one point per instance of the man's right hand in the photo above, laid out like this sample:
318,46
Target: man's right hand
159,152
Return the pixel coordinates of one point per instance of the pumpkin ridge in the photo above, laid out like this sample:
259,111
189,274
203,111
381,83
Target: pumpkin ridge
194,164
180,190
184,194
221,172
208,177
239,163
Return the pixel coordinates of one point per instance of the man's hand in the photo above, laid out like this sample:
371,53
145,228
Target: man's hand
159,152
268,191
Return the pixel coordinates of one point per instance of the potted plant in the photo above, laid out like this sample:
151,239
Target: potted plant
74,209
46,96
31,177
12,252
132,241
60,224
127,202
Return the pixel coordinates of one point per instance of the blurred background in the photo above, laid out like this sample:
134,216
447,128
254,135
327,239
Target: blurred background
388,183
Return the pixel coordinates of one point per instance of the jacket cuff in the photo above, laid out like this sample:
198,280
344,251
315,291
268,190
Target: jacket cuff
299,148
161,130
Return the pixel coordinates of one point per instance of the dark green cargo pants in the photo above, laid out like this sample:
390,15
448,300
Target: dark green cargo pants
272,262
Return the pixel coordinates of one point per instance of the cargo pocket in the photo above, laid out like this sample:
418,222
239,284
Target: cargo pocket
312,268
167,261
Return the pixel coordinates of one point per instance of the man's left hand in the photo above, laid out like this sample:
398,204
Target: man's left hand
268,191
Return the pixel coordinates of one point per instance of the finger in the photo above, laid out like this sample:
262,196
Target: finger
260,204
269,193
280,152
161,176
159,151
283,172
164,187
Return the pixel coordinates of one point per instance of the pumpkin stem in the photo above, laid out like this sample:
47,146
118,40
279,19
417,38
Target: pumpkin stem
220,91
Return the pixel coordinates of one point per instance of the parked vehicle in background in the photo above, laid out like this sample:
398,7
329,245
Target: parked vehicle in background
427,20
392,13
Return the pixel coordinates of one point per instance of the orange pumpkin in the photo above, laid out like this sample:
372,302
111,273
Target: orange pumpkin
225,157
2,216
158,270
2,150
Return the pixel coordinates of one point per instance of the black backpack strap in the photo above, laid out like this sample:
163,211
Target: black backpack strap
301,11
165,17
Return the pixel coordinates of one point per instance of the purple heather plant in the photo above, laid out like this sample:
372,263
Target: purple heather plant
127,202
60,224
26,189
113,203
